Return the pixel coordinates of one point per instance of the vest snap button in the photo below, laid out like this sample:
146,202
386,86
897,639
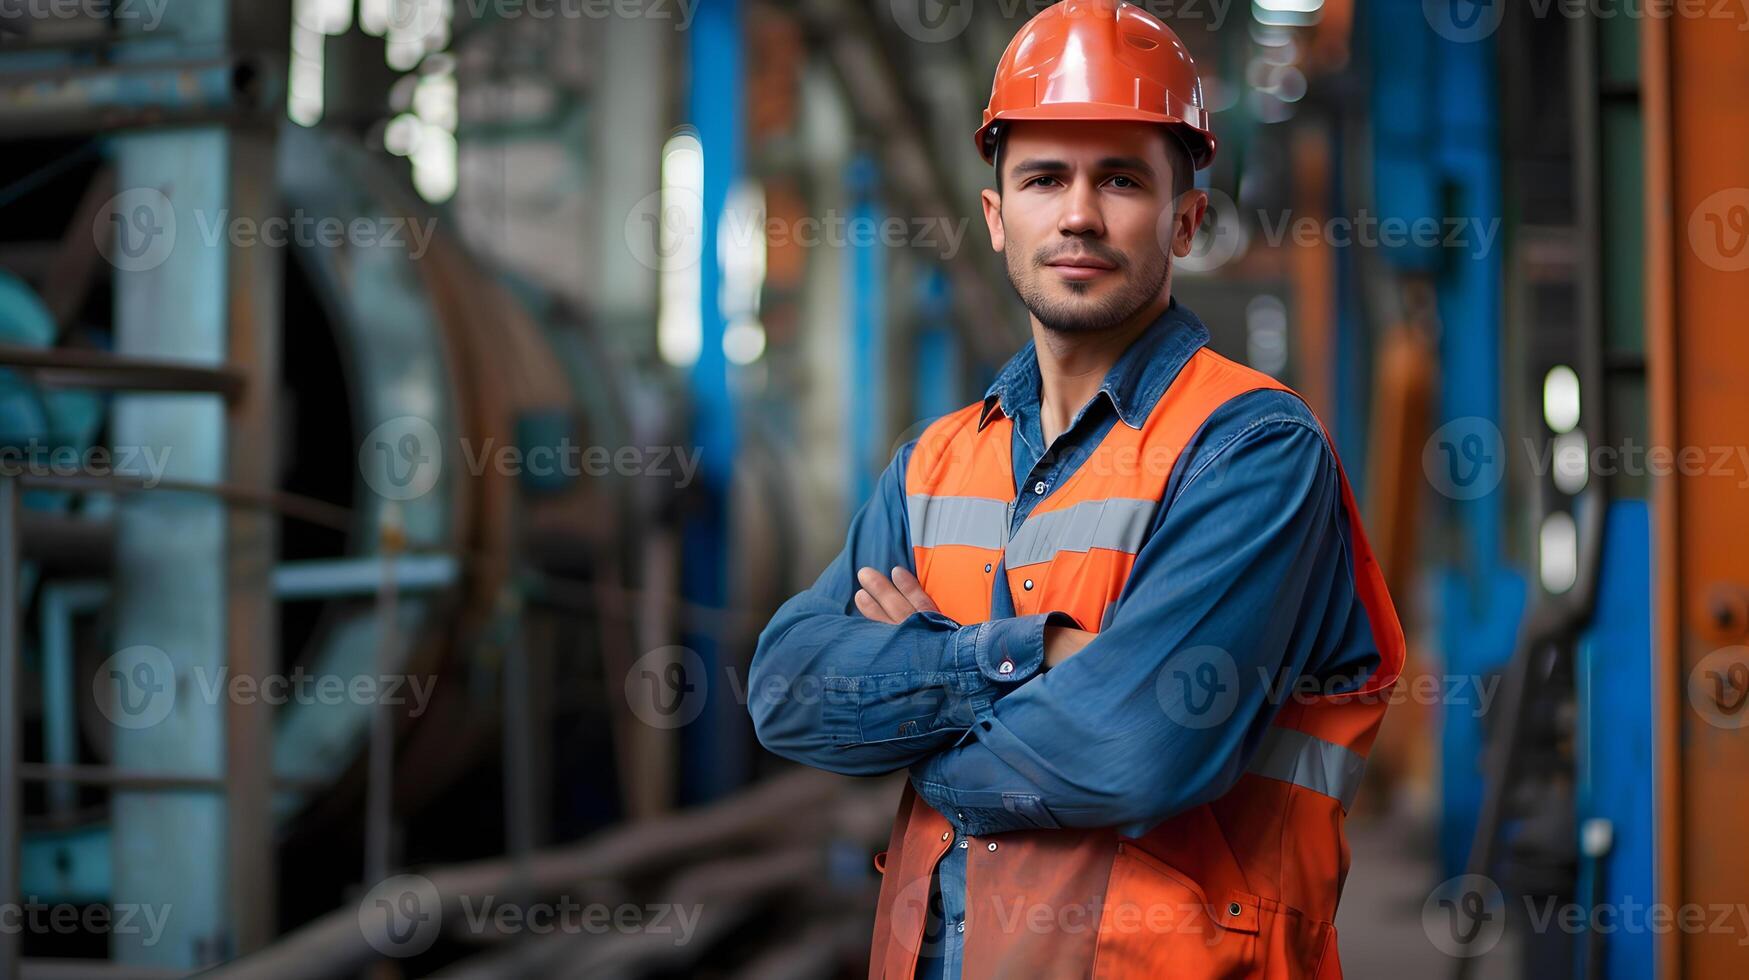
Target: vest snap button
946,834
986,566
1027,585
1233,908
1007,667
992,845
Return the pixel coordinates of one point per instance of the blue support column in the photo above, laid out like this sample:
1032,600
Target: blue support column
715,751
1616,691
1435,158
939,368
865,375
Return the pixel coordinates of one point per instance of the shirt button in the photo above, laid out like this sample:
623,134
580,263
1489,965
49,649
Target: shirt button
959,926
1027,585
1039,487
963,844
1007,667
992,845
959,814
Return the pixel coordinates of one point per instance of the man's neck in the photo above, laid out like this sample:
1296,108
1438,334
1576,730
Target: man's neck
1072,365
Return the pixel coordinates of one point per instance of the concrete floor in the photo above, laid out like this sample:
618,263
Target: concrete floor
1391,873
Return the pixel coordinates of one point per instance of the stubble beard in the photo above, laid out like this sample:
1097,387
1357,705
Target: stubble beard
1138,288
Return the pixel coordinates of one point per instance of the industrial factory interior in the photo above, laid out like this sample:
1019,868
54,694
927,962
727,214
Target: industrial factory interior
547,488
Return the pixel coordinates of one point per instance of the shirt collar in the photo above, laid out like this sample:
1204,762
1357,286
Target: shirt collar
1133,385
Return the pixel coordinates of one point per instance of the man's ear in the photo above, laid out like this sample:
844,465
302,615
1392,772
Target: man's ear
993,218
1187,218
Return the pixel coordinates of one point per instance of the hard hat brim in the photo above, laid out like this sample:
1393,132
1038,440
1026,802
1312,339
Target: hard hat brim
1199,142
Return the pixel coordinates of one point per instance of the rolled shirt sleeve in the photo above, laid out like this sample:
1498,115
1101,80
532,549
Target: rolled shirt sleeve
832,689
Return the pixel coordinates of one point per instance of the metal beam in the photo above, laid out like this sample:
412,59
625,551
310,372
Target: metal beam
1697,279
68,367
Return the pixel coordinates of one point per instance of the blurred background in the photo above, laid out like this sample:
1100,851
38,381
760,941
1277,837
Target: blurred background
412,410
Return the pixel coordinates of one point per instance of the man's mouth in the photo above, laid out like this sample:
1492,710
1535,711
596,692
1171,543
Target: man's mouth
1081,267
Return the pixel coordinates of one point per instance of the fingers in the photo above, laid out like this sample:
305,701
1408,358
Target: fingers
891,602
866,605
912,590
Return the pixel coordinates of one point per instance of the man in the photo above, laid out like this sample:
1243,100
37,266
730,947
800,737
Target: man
1119,618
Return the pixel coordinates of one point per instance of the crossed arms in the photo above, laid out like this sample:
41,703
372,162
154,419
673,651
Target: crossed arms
1246,571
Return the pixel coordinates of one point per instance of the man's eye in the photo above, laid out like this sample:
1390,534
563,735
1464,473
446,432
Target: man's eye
1039,181
1121,181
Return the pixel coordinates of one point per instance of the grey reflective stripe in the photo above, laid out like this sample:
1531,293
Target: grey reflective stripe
1306,760
1118,523
975,521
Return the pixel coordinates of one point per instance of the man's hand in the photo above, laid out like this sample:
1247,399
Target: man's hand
890,601
1063,642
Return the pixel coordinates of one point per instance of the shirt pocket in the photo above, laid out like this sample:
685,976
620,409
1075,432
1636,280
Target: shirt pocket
1158,922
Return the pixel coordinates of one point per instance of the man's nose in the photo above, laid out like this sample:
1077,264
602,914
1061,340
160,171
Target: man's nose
1081,214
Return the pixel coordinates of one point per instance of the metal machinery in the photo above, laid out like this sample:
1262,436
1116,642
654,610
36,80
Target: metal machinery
280,402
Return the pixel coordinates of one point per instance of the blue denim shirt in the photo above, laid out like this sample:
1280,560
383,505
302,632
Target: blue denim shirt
1246,566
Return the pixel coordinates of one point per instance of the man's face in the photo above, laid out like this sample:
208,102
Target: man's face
1086,219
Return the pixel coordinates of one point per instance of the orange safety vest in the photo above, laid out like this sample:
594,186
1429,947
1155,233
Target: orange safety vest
1243,886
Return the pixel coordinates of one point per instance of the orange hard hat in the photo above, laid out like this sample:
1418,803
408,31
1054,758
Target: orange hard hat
1099,59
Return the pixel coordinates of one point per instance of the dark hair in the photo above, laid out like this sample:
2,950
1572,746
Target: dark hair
1183,171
